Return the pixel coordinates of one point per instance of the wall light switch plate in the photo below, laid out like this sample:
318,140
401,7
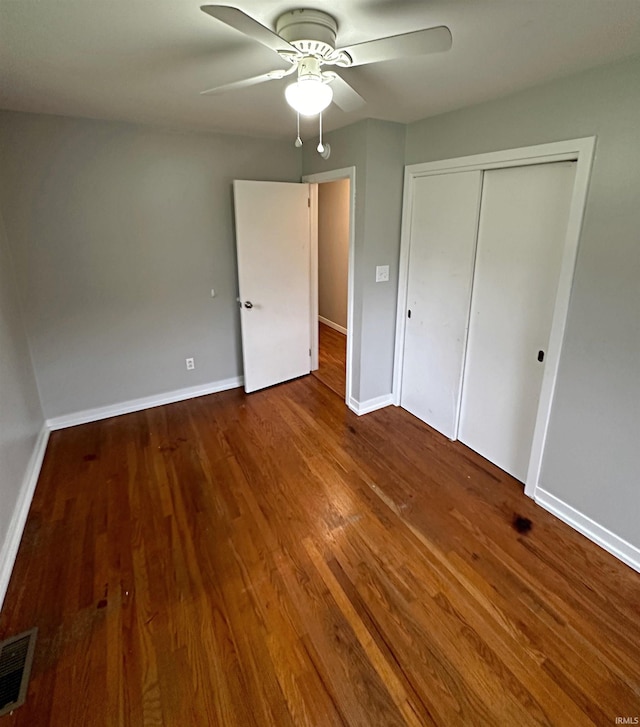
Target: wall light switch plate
382,273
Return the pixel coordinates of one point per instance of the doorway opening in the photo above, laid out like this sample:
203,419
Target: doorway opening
332,358
332,221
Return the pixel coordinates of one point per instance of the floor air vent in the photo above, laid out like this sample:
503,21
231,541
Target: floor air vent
16,655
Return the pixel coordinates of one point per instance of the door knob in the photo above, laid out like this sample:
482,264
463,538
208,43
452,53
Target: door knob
248,304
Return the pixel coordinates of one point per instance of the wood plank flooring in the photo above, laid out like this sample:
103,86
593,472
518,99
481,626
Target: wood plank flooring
273,559
332,356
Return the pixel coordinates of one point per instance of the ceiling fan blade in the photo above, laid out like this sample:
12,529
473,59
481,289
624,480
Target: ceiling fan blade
238,20
416,43
246,82
345,96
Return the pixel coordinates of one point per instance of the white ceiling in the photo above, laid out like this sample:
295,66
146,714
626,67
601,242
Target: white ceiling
146,62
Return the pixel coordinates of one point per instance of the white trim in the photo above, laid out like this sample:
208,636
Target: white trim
365,407
579,150
612,543
556,151
146,402
332,176
333,325
21,511
313,268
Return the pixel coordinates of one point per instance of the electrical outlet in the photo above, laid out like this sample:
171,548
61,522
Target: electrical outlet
191,364
382,273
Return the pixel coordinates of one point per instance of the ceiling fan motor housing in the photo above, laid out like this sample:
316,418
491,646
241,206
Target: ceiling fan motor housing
312,32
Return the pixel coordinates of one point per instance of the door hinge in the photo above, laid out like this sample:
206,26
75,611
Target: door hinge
308,201
309,352
409,313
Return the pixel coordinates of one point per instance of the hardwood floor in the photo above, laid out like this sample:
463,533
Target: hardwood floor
273,559
331,359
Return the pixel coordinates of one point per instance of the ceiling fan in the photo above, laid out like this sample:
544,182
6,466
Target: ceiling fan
306,41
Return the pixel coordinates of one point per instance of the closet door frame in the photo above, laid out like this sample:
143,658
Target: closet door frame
579,150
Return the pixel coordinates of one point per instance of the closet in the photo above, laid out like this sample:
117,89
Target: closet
484,262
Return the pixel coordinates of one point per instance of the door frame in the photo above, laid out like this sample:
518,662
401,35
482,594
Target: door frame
582,152
313,180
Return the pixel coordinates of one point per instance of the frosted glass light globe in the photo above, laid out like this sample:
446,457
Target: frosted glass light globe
308,96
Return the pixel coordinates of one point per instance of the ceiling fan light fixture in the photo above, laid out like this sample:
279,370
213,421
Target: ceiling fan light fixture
309,95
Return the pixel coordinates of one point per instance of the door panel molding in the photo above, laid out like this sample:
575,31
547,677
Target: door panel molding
579,150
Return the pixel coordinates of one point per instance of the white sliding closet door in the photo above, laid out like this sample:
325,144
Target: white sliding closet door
523,223
444,221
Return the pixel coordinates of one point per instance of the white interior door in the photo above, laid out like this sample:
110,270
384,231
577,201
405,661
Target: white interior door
523,222
444,222
273,246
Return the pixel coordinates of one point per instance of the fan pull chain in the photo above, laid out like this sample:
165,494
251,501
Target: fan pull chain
320,145
298,141
323,149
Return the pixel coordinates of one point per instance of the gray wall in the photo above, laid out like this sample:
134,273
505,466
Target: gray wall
119,233
592,458
333,250
385,142
21,417
375,148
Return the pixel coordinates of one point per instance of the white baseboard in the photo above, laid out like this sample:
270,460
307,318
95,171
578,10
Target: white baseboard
19,518
147,402
611,542
364,407
333,325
